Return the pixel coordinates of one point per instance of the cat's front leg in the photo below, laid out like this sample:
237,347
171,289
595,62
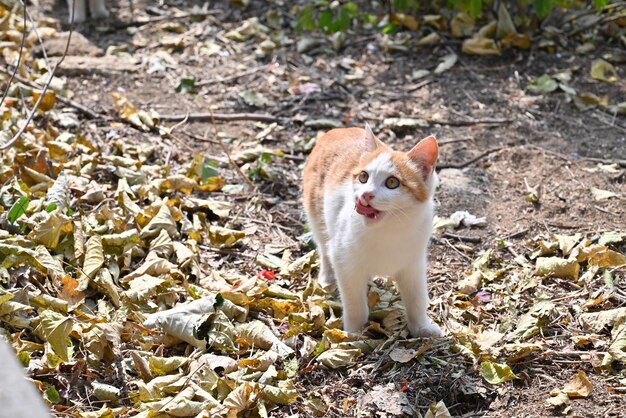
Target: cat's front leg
98,9
353,292
79,9
413,288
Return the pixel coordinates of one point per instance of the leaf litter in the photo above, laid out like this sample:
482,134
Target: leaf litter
126,285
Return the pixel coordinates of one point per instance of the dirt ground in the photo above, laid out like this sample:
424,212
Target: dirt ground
479,105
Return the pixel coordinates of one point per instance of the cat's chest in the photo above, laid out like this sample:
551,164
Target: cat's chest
381,252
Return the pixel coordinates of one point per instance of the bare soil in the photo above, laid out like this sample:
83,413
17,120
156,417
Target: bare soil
479,105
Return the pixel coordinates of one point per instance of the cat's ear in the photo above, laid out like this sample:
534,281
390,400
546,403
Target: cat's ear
371,139
425,154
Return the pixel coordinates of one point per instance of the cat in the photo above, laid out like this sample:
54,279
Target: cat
370,210
97,9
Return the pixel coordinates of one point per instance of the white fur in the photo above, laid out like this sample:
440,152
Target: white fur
97,9
395,245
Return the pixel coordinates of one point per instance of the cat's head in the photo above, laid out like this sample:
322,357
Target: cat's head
392,184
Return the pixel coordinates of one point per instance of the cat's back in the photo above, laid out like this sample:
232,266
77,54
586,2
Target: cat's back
331,163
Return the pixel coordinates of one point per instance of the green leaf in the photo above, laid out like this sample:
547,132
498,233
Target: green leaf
326,20
52,395
495,373
542,7
208,170
18,209
306,18
186,85
599,4
543,84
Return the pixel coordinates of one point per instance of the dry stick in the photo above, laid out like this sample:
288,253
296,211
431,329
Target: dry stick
602,21
19,55
30,116
461,238
212,117
225,150
83,109
233,77
472,122
43,49
472,161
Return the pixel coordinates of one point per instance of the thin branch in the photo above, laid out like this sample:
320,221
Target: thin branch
19,56
461,238
30,116
43,48
598,22
212,117
472,122
232,77
472,161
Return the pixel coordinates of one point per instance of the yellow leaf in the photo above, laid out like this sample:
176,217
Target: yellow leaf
48,101
94,258
405,20
557,267
461,25
603,71
579,386
55,328
521,41
504,26
436,21
480,46
48,232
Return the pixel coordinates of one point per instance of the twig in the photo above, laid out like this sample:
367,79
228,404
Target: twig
232,77
19,56
472,122
225,150
472,161
30,116
516,234
601,21
420,85
461,237
212,117
83,109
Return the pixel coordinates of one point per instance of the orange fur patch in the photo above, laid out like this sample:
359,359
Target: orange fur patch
410,175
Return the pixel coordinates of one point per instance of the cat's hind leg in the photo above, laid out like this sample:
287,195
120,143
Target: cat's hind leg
326,276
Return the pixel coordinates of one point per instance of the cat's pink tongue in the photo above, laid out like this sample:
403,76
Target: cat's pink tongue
367,211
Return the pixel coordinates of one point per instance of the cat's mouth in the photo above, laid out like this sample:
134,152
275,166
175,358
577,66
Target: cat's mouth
367,211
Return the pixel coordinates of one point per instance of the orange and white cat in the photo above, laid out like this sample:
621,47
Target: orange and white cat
370,209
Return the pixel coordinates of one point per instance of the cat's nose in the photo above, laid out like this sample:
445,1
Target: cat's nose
367,197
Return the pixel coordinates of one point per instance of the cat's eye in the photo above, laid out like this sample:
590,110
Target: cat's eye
392,182
363,176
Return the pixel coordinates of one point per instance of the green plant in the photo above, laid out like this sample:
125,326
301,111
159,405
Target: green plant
328,17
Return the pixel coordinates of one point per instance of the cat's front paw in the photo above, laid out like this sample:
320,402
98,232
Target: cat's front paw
425,329
79,17
100,12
